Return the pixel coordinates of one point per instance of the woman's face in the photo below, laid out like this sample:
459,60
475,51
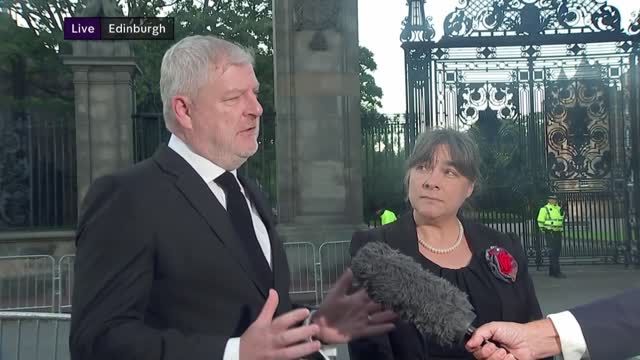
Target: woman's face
440,190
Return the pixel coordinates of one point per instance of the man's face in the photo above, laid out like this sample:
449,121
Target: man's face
553,201
225,116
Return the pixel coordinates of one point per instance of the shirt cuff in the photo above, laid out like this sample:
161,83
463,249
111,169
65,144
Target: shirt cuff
232,350
569,331
328,351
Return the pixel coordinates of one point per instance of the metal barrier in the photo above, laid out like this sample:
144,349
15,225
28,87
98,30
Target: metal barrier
334,259
303,287
65,282
312,273
27,283
30,336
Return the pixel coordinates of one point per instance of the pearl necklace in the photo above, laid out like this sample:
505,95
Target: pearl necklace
445,250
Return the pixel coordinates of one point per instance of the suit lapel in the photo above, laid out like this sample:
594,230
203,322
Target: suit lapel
190,184
403,236
479,242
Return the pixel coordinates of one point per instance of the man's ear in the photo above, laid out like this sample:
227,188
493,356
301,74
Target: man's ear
181,106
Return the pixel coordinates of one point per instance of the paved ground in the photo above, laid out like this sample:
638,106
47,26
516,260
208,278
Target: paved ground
584,283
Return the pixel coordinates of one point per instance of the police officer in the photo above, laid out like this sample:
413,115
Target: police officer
385,215
551,223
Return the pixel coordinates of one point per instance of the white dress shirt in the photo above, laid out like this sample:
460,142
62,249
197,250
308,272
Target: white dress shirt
209,171
572,342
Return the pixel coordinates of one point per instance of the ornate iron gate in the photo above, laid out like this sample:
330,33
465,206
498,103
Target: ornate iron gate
549,88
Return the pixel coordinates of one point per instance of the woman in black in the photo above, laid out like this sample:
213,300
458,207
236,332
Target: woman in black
487,265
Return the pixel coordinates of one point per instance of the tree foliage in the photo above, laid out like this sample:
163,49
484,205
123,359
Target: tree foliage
246,22
506,165
370,92
33,74
382,146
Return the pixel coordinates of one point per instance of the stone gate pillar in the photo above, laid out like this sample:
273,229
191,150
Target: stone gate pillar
103,73
318,135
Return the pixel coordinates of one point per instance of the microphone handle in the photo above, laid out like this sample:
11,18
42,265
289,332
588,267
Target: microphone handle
470,330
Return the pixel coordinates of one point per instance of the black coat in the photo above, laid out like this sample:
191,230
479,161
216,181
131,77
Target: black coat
517,300
159,271
611,327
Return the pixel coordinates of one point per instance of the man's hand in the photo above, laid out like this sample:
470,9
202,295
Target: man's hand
343,317
280,338
534,340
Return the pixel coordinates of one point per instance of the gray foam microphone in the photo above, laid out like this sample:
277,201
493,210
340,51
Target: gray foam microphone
435,306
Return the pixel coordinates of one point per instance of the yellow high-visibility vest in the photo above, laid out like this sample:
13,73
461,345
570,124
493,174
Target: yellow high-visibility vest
551,217
387,217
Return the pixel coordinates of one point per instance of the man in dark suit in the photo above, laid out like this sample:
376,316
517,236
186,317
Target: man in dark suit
177,256
608,329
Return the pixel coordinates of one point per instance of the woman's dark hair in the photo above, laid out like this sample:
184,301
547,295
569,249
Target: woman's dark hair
462,148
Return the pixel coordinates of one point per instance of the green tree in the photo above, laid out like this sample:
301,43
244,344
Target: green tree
506,166
246,22
382,145
370,92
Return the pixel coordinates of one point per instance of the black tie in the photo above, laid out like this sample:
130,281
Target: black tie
238,211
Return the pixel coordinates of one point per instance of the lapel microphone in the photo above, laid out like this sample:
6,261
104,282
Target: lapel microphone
436,307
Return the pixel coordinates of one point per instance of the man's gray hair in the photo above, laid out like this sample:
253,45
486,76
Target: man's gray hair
186,67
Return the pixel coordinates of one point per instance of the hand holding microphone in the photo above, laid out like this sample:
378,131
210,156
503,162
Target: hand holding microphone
396,281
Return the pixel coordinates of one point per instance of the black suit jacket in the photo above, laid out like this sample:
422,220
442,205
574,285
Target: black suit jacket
611,327
518,299
159,272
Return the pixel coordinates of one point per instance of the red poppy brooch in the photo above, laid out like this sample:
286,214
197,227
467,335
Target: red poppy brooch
502,264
